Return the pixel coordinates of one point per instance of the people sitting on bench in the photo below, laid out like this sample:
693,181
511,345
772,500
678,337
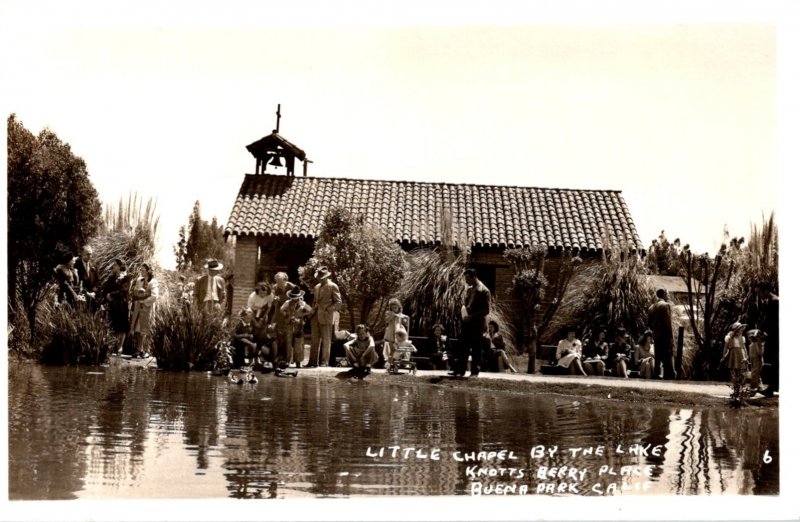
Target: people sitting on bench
643,358
619,354
595,351
568,353
495,354
436,346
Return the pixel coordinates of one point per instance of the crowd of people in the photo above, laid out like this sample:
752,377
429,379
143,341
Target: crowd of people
652,356
270,329
129,299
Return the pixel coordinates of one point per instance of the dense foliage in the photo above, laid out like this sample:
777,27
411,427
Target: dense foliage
663,256
74,336
130,232
183,338
365,262
199,241
53,210
612,293
530,286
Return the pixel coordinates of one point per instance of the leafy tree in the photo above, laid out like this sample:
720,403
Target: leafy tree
530,286
205,240
708,302
180,250
365,262
663,256
53,209
757,262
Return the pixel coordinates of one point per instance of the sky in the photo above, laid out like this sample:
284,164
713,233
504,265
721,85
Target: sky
680,118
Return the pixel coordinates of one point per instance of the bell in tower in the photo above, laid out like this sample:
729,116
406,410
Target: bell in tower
276,152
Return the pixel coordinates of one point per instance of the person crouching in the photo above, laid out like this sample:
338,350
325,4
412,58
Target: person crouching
360,351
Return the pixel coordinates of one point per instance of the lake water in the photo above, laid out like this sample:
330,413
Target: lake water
125,432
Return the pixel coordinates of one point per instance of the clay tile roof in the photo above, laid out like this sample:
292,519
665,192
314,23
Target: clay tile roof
491,216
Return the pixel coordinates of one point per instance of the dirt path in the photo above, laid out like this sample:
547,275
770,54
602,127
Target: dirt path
685,393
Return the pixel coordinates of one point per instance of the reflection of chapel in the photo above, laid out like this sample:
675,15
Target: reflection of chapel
276,217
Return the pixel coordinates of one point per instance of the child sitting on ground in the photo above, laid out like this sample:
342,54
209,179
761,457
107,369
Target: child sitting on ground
360,351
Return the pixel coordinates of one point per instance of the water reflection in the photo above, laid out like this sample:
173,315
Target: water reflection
129,432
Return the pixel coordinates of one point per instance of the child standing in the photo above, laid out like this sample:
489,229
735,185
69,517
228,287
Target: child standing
396,321
243,344
735,357
296,311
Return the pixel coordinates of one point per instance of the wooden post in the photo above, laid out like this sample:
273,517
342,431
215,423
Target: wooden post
532,358
679,355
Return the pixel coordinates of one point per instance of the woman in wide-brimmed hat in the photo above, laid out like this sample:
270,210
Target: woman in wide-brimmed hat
735,355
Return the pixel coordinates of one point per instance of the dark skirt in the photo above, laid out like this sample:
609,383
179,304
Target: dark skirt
118,316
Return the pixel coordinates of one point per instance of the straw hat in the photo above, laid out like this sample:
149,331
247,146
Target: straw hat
213,264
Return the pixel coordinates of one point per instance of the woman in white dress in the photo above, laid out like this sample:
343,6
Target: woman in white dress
568,353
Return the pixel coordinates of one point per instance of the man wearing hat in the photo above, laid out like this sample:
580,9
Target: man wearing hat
296,311
659,320
209,290
327,300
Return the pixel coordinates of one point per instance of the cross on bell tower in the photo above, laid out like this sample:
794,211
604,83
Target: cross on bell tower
276,151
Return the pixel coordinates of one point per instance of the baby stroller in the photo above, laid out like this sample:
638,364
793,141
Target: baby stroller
401,356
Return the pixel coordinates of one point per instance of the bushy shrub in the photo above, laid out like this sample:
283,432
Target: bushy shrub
433,291
183,338
73,336
365,261
611,294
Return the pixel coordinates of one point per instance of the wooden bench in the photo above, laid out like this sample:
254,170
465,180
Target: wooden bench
547,352
422,357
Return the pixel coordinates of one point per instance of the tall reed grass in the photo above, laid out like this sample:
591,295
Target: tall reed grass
612,294
433,291
183,338
74,336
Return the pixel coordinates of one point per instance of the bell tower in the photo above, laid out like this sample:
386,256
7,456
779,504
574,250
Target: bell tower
276,152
